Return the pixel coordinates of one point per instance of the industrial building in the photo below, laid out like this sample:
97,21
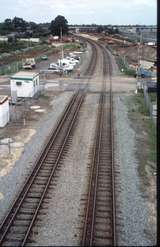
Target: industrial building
24,84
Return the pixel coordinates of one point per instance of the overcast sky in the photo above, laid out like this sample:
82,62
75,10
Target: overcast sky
82,11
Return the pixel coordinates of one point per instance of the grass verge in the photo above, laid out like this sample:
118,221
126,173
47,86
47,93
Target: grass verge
145,137
153,97
122,66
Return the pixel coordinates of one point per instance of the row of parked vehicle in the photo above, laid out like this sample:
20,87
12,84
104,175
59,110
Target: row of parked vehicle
66,64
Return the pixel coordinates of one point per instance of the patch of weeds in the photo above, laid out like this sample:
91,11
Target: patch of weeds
139,104
72,46
146,144
151,129
43,96
123,66
153,97
141,168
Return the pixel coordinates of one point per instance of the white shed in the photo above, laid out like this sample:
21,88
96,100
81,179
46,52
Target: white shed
4,110
25,83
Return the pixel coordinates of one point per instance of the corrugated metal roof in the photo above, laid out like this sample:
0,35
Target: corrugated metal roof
24,74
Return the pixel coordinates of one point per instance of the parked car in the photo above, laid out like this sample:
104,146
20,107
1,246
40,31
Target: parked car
65,62
29,63
72,60
44,57
68,68
54,65
74,56
55,68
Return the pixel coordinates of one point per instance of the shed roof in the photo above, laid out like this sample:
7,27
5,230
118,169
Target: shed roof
3,98
24,75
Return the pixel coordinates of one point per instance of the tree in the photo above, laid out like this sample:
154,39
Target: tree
19,24
100,29
8,24
59,24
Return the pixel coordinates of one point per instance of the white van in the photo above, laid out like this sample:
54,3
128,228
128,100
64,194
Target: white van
65,62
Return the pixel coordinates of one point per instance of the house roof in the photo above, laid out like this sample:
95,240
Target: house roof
26,75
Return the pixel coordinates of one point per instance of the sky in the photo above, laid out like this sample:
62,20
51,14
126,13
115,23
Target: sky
82,11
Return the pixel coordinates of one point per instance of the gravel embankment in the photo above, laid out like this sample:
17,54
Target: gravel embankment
11,183
61,225
85,59
135,213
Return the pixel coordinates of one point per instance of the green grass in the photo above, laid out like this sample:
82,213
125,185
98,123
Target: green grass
139,105
11,68
141,122
43,96
71,46
153,97
17,65
125,67
9,47
150,126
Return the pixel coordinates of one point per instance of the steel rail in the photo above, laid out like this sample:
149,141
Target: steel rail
53,171
15,207
42,156
29,181
90,215
106,55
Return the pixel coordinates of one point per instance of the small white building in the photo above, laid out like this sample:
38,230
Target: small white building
4,38
4,110
25,83
36,40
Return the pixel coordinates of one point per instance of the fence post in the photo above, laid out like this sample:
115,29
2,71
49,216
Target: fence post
148,103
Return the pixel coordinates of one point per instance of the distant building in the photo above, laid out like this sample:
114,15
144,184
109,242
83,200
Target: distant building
34,40
4,110
3,38
25,84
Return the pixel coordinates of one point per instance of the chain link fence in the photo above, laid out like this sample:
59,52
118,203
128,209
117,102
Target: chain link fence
12,68
16,66
149,104
124,66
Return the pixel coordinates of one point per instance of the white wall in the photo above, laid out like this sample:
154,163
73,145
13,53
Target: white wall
4,113
3,38
24,90
36,83
27,88
36,40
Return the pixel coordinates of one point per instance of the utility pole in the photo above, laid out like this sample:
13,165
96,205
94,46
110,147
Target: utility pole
124,57
140,44
61,42
139,49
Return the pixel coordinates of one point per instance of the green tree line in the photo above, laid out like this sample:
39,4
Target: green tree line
31,29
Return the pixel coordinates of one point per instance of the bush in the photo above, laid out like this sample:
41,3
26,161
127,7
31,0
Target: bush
124,67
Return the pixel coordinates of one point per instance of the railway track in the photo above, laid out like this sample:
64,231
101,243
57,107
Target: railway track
92,65
17,226
100,214
99,229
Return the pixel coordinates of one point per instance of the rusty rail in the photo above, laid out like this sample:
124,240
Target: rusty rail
100,214
18,223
